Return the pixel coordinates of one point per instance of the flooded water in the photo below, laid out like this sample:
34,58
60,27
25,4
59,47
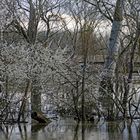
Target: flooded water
71,130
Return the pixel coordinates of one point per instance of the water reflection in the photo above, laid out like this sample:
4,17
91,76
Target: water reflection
37,127
67,129
76,132
23,131
83,130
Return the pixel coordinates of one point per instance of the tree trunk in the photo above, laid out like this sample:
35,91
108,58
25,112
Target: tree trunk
33,23
106,84
30,37
113,46
32,33
35,95
38,116
24,99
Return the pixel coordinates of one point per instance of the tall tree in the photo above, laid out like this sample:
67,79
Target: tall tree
106,84
30,9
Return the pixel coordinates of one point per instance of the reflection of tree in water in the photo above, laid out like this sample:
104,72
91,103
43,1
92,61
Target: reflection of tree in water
61,130
123,130
23,131
8,132
82,127
37,127
112,130
5,131
76,132
132,130
83,130
138,131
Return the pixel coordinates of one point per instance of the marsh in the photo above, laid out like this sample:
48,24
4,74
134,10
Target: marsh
68,129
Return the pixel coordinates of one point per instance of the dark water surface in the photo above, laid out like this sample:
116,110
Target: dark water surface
70,130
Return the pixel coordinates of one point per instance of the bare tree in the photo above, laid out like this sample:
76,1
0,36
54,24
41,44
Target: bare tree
110,63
